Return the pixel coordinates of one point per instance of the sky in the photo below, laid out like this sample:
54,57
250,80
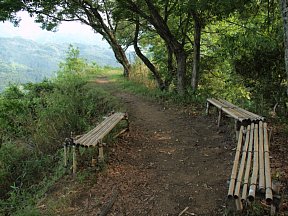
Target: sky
69,32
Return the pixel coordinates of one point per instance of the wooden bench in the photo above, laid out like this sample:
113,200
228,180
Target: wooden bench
241,116
93,138
251,167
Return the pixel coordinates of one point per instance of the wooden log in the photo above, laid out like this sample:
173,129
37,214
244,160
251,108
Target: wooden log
242,166
268,195
253,183
261,159
250,134
235,165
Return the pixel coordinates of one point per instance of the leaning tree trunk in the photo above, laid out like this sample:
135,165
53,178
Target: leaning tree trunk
178,49
146,61
107,31
121,58
284,9
196,55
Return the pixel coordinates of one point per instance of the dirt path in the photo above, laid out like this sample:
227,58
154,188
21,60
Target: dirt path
186,161
170,160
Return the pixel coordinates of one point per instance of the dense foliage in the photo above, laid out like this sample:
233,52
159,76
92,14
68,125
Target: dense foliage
35,119
230,49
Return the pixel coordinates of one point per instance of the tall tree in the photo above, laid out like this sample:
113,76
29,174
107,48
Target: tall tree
284,10
149,11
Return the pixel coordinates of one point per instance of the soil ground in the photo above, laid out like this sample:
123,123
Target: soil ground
173,158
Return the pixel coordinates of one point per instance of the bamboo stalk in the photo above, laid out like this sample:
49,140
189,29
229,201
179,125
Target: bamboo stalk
261,159
238,204
241,168
235,164
250,134
269,195
254,178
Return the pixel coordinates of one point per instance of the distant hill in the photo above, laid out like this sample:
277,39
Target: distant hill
23,60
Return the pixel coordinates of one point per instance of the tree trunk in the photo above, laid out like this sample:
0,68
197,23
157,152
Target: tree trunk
146,61
196,54
284,9
181,70
121,57
178,49
170,68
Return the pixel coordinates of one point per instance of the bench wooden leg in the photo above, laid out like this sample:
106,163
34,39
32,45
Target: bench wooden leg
65,155
219,117
207,108
101,152
74,156
237,126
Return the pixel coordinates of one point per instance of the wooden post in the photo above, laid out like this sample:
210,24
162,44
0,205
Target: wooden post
74,160
101,153
219,117
65,155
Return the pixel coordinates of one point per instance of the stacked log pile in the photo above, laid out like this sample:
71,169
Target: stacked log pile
251,168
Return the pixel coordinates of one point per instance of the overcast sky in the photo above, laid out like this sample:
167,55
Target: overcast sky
69,32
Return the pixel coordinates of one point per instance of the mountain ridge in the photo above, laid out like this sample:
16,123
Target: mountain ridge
23,60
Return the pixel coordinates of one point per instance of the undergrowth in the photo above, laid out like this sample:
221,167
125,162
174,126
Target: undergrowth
34,121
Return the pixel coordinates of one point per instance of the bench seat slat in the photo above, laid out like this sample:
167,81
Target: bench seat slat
252,115
100,134
234,111
100,131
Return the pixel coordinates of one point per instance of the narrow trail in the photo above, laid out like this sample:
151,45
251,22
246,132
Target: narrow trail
184,156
